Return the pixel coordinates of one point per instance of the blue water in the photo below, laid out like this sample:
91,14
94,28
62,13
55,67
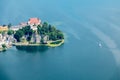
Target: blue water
85,23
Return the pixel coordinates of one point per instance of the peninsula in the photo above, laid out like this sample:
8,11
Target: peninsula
31,33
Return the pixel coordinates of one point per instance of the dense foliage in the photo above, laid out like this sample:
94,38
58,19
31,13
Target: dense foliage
43,30
51,31
18,35
9,25
25,31
10,32
4,46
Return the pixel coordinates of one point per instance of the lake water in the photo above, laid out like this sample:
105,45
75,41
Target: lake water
87,24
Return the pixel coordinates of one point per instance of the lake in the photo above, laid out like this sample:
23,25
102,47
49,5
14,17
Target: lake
92,41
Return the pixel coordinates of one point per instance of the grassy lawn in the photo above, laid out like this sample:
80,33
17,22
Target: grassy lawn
56,42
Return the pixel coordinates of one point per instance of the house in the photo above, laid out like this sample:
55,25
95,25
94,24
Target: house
4,36
3,28
34,21
0,37
15,28
23,24
1,46
20,26
10,39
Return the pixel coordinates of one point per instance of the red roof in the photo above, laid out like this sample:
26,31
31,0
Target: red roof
34,21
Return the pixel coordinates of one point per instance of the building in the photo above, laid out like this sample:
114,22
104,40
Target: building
0,37
23,24
3,28
46,38
10,39
34,21
15,28
36,38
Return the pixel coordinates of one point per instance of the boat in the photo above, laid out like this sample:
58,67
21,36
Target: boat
100,45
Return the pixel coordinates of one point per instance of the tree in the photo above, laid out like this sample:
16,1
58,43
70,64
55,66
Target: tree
4,46
60,35
50,28
4,25
10,32
45,24
18,35
9,25
42,41
52,36
27,31
51,31
39,29
3,32
29,38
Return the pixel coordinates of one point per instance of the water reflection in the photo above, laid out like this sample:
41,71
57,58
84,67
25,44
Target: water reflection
32,49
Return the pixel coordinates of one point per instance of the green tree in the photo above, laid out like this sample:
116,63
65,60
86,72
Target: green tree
60,35
4,46
51,28
45,24
18,35
28,31
51,31
3,32
39,29
9,25
52,36
29,38
4,25
42,41
10,32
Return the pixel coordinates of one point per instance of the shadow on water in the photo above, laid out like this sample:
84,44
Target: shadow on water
32,49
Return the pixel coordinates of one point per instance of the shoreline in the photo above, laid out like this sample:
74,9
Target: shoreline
28,45
3,49
48,44
56,45
31,33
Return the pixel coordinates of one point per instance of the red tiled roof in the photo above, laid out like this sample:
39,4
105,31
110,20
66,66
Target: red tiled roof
34,21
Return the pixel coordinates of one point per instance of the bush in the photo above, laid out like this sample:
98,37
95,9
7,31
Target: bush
4,46
10,32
